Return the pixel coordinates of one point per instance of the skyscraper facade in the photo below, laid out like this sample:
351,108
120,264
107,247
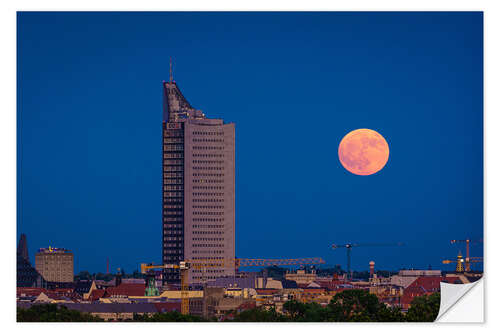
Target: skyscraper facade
54,264
198,188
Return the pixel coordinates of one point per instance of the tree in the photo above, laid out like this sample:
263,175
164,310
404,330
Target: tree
172,316
337,269
363,275
349,305
424,308
259,314
275,272
390,314
137,275
295,309
354,305
53,313
83,275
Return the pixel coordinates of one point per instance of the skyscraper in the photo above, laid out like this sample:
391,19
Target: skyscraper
198,187
54,264
22,248
27,276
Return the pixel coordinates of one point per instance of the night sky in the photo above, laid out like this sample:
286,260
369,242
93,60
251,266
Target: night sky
90,145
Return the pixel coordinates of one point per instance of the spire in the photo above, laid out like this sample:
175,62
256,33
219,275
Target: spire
171,74
22,248
460,260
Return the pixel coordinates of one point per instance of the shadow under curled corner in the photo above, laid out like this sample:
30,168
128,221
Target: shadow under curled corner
462,303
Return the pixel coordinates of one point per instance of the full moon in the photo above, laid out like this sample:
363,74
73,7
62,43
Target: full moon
363,152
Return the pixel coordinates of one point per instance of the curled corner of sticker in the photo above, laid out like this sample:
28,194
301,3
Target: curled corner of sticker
462,303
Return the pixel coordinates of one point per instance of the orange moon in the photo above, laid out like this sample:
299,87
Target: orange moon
363,152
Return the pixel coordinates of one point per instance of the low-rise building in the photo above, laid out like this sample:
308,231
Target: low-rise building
229,304
177,294
301,276
423,285
114,311
407,276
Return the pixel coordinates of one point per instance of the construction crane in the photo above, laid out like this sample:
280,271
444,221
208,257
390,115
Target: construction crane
185,266
460,262
467,252
349,247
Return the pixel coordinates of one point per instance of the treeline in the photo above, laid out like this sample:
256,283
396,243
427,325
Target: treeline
170,317
85,275
348,306
53,313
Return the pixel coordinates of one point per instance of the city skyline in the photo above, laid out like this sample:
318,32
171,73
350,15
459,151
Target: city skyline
88,158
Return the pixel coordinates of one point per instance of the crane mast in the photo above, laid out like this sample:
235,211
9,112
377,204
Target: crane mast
349,247
467,242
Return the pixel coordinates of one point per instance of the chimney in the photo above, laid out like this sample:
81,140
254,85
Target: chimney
118,278
372,268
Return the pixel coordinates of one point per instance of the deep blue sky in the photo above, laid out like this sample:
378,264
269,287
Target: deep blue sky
90,112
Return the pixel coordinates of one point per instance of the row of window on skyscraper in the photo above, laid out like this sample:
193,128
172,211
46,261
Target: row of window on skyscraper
208,187
208,133
208,200
208,239
208,213
208,140
173,140
173,133
208,175
208,232
217,194
204,258
173,194
206,219
173,147
208,207
173,155
208,168
208,161
209,155
208,181
208,147
209,251
171,232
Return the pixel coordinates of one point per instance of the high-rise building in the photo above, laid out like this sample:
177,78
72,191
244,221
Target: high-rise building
54,264
22,248
27,276
198,187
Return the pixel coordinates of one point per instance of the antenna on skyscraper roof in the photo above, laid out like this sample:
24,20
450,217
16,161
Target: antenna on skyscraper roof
171,75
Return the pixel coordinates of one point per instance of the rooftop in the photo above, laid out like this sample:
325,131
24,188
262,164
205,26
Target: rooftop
53,250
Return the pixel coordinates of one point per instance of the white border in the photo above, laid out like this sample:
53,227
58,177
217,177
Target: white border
8,139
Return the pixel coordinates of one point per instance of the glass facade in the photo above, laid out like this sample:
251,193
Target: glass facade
173,198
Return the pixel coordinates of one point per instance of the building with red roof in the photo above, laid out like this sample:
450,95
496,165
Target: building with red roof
452,280
96,294
423,285
126,290
29,291
266,292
